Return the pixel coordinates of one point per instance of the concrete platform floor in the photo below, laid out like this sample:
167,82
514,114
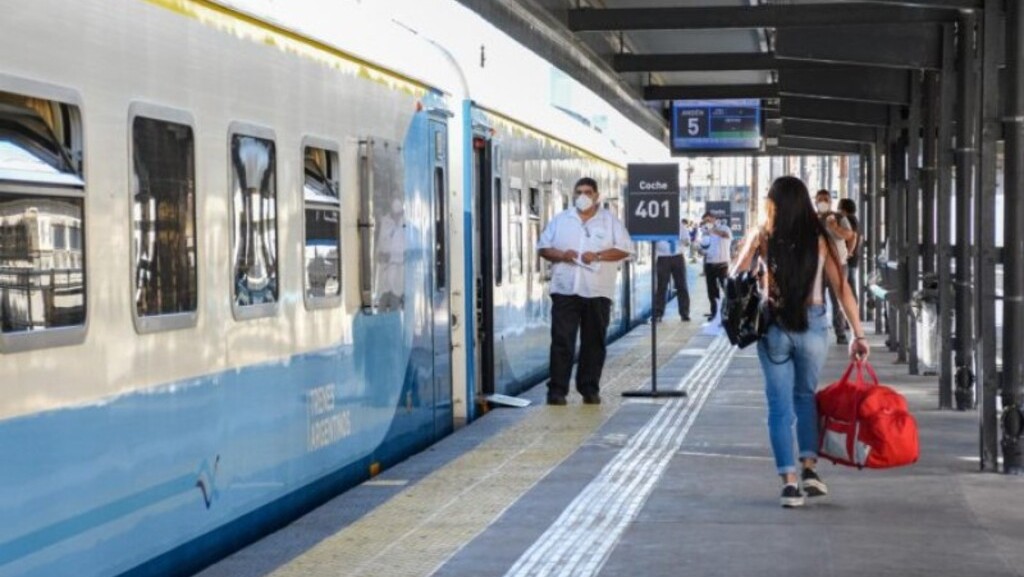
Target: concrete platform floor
659,487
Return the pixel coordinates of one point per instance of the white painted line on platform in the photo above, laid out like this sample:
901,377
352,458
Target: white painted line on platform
724,456
580,540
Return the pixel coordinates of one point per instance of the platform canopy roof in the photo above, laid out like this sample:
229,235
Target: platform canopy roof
829,72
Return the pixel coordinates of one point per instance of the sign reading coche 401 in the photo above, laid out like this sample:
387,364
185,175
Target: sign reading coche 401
652,201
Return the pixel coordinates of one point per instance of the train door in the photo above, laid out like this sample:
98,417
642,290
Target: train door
441,324
484,185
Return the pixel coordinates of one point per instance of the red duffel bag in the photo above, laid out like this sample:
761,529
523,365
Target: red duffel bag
864,424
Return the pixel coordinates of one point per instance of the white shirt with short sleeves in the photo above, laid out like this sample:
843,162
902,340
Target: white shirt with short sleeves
838,241
718,249
567,231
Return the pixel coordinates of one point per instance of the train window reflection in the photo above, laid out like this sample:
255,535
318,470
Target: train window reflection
322,248
255,220
42,201
382,226
163,218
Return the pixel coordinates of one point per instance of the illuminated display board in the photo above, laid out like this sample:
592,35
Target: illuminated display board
716,125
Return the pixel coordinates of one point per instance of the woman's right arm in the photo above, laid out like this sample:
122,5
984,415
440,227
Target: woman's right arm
746,255
859,349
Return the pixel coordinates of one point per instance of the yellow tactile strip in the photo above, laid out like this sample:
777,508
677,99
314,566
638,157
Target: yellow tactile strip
423,526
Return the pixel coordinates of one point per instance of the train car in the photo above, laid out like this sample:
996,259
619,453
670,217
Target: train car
238,250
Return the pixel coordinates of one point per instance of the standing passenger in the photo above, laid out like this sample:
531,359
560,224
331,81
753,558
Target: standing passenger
799,256
584,242
840,233
670,263
848,208
716,245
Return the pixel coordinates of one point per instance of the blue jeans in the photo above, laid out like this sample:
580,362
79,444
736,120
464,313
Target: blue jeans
791,363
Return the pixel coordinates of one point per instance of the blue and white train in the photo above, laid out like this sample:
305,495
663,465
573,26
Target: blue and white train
253,252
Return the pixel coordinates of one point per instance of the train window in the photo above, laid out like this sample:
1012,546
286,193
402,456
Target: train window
515,201
440,252
164,276
382,226
515,259
534,212
322,248
42,218
499,236
254,210
515,232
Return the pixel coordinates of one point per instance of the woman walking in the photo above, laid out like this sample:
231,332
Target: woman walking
799,259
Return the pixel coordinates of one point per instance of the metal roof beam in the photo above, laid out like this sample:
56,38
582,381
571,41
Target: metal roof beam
955,4
829,131
714,62
818,145
708,91
765,16
890,45
865,84
835,111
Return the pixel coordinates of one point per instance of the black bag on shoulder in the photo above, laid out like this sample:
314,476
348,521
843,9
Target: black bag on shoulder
743,317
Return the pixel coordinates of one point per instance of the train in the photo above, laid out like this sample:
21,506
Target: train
252,253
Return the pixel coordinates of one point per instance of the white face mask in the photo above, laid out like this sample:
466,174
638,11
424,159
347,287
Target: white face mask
584,203
823,206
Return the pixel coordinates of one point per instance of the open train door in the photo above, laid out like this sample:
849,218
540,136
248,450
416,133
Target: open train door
440,302
485,182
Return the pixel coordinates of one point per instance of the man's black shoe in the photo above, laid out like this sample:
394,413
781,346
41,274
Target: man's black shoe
558,400
686,318
594,399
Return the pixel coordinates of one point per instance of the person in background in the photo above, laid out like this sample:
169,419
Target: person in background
839,231
848,208
585,243
716,246
670,263
799,258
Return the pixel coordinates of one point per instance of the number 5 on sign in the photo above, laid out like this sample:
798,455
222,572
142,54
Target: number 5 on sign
652,208
693,126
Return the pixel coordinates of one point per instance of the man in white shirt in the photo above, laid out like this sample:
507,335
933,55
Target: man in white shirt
670,263
840,231
585,243
716,246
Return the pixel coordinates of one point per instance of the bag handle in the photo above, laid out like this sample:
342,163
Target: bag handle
862,368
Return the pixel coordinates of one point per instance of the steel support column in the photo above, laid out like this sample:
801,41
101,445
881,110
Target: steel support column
944,214
966,155
895,232
984,226
1013,266
877,222
866,220
929,121
912,217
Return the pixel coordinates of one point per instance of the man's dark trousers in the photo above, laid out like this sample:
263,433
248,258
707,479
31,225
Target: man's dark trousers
675,267
588,316
715,274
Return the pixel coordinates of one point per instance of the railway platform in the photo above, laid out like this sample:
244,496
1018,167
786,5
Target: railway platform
660,487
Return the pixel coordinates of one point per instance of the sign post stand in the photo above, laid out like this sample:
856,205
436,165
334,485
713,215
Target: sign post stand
652,213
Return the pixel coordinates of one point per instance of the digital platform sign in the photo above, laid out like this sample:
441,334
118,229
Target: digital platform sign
716,125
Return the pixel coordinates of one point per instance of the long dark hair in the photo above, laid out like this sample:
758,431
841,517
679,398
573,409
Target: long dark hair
792,238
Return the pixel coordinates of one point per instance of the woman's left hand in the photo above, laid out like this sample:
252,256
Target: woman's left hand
859,349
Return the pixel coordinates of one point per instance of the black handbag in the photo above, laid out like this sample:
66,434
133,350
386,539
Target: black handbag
743,316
